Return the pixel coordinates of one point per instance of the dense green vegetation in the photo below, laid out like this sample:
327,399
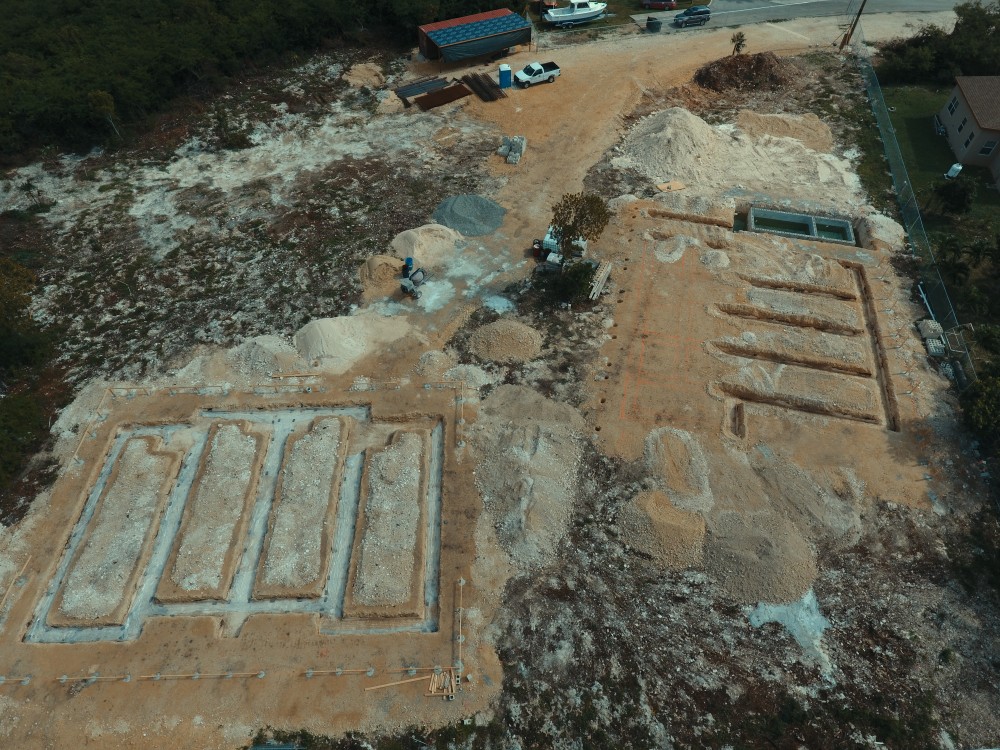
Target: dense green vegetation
935,56
24,352
74,72
962,217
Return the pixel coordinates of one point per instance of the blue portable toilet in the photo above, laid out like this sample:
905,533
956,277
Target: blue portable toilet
505,77
408,267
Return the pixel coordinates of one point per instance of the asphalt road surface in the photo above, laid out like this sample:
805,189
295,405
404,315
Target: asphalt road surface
738,12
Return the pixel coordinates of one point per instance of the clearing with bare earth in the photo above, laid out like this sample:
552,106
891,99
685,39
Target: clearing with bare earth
725,504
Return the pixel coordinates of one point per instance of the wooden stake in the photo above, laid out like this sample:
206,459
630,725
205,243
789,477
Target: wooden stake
397,682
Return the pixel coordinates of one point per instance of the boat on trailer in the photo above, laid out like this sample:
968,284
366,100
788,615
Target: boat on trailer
578,11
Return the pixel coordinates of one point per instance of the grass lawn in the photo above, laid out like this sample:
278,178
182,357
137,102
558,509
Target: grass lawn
928,157
974,287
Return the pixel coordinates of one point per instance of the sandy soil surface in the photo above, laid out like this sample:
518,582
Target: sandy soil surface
390,530
203,562
295,555
737,416
98,587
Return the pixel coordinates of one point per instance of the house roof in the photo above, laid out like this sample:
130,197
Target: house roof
983,95
458,30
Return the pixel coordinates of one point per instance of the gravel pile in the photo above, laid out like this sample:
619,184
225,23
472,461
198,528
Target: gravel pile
472,215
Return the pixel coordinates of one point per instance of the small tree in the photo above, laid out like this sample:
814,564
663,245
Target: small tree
572,285
103,105
579,215
739,42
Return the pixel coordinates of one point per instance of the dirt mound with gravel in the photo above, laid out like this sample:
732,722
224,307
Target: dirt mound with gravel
674,537
759,557
764,70
506,341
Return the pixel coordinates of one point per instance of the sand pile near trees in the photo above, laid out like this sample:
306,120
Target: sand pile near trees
430,246
365,74
676,144
529,452
506,341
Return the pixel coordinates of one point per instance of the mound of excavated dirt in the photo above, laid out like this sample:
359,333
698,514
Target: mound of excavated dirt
434,364
529,453
430,246
675,144
673,536
506,341
260,357
807,128
472,215
764,70
759,557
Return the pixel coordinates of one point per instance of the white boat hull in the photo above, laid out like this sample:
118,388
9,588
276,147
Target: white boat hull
559,16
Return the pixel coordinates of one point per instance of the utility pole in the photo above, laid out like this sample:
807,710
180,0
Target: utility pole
854,25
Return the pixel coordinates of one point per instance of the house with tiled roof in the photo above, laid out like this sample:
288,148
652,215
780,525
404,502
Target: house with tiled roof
971,120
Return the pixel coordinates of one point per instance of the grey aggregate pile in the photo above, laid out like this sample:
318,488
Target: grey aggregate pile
472,215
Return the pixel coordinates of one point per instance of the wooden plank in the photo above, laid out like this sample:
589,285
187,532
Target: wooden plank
397,682
600,279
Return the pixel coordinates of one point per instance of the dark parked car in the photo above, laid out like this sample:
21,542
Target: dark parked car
696,15
659,4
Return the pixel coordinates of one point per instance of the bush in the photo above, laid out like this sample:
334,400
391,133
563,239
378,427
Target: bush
572,285
22,431
981,407
956,196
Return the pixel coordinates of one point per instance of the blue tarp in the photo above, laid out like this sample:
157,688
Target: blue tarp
481,37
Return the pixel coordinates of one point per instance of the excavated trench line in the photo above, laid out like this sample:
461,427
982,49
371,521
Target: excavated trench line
796,320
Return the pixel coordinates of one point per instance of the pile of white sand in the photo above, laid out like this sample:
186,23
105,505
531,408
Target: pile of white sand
677,145
430,246
337,344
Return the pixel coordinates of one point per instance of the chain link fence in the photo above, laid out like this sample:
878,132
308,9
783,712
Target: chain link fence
931,285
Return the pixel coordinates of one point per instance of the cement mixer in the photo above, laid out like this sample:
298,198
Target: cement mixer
412,280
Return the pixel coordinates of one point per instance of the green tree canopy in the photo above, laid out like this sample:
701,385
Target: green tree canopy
579,215
972,48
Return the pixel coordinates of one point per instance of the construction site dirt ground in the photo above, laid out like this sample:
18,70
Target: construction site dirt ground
575,523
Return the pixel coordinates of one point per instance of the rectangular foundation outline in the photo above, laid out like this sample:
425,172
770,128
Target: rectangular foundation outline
239,605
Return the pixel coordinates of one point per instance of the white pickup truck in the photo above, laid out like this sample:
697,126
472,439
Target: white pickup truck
537,72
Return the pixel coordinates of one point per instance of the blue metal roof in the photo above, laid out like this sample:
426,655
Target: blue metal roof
477,30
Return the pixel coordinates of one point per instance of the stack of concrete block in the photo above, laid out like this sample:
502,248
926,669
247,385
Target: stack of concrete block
513,148
933,336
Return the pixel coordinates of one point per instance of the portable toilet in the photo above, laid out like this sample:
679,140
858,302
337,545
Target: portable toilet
505,77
